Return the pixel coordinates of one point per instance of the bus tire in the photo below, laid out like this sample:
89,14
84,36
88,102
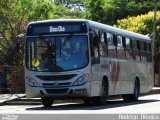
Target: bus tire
135,95
136,91
101,100
47,102
87,101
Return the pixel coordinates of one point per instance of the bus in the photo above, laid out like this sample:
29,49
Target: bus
78,58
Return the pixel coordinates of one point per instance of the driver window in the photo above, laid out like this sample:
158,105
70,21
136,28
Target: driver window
96,46
94,39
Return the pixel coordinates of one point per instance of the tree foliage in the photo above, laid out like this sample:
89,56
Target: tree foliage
95,10
142,24
109,11
14,17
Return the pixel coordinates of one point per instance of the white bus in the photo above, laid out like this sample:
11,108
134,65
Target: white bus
77,58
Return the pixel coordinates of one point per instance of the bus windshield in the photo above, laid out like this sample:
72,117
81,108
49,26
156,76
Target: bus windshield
56,53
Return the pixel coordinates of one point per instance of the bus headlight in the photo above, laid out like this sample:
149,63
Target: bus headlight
32,82
82,80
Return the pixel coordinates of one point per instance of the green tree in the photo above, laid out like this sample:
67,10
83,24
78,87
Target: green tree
142,24
109,11
11,25
14,17
95,10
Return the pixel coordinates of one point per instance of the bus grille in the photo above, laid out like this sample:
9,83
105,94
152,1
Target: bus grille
56,85
55,77
57,91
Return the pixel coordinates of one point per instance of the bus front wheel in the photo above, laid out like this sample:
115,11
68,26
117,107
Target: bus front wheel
101,100
87,101
47,102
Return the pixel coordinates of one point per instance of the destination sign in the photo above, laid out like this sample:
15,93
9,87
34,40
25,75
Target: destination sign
58,28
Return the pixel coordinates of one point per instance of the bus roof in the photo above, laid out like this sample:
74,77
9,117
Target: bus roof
101,26
119,31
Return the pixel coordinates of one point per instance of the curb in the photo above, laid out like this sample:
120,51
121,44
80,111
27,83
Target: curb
12,97
154,91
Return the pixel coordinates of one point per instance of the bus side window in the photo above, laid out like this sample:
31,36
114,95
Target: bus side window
111,46
103,45
143,51
135,50
120,48
128,48
149,54
138,54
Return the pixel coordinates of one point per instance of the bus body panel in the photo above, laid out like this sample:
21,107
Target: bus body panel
125,73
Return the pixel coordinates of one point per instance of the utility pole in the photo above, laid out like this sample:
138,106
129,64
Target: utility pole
154,35
154,25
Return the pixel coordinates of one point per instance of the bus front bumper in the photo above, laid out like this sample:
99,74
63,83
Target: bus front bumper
61,92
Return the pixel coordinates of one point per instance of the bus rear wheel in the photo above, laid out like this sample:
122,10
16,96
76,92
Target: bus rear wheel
135,95
47,102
